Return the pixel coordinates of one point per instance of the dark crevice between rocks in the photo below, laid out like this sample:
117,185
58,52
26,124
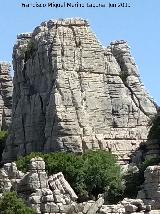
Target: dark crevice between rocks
133,96
124,75
77,41
24,134
44,117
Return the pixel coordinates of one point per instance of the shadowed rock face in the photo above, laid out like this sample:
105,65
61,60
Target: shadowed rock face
6,88
72,94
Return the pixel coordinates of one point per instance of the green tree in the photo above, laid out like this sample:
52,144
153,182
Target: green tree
3,138
11,204
89,174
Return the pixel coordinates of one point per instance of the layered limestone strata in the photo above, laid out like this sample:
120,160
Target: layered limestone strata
6,89
71,94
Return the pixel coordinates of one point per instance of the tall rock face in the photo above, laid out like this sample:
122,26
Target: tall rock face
72,94
6,89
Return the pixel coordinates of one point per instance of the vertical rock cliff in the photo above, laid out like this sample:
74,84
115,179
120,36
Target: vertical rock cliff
6,88
72,94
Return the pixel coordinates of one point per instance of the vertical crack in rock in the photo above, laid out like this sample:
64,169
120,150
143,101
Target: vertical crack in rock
44,118
129,75
75,94
24,141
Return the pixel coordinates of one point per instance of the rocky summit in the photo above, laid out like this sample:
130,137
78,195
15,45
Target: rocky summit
6,88
72,94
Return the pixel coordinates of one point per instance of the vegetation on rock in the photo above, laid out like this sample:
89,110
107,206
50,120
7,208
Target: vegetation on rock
29,50
3,138
134,180
89,174
10,203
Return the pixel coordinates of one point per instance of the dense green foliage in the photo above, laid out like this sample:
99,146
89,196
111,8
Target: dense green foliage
89,174
3,137
135,180
11,204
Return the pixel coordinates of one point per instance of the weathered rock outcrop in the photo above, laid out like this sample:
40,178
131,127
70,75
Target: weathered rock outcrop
6,88
72,94
150,193
53,194
46,195
152,147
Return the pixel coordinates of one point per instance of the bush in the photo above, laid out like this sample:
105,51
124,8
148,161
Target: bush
135,180
3,138
11,204
89,174
28,50
133,184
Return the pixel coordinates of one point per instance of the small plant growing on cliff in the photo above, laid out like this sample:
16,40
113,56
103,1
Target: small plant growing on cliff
89,174
29,50
10,203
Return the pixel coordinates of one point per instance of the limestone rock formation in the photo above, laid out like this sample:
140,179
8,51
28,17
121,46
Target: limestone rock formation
150,193
72,94
54,195
45,195
127,206
6,88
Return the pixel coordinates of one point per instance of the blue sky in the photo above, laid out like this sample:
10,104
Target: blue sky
139,25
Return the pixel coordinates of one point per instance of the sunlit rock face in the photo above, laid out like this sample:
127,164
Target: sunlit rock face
71,94
6,89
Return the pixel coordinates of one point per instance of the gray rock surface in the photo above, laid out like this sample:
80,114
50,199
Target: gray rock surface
72,94
127,206
150,192
6,89
45,195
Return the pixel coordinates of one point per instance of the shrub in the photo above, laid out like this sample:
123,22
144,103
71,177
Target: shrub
133,183
3,138
135,180
28,50
89,174
11,204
